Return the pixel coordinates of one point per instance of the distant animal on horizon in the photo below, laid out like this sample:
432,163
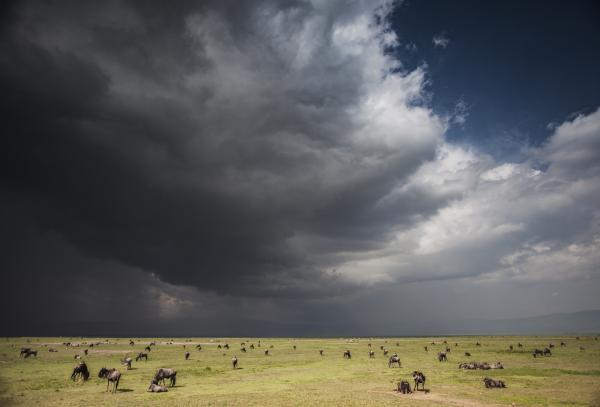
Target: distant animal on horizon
394,359
112,376
404,387
166,373
419,378
491,383
520,345
156,388
80,372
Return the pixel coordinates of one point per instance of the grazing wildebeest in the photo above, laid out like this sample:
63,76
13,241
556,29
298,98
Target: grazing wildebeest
491,383
419,378
562,344
426,349
442,357
24,351
156,388
371,354
187,355
547,352
445,342
467,354
321,352
141,355
199,347
537,352
30,352
80,372
165,373
404,387
219,346
126,361
243,349
234,362
148,349
394,359
266,352
76,357
112,376
347,354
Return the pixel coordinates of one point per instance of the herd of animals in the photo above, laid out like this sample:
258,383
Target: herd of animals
158,384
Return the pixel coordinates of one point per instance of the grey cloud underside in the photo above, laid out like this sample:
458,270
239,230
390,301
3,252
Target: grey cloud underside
110,147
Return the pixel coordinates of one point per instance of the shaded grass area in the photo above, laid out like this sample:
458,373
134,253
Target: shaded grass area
303,377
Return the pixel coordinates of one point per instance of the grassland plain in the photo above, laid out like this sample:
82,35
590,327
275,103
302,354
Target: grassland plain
288,377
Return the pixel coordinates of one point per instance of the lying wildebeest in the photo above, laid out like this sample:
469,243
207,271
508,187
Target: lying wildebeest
112,376
433,343
562,344
442,357
164,373
80,372
243,349
126,361
156,388
141,355
491,383
321,352
148,349
419,378
347,354
467,354
234,361
371,354
52,350
404,387
266,352
187,355
394,359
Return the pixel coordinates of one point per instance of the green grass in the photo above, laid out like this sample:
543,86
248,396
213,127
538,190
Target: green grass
569,377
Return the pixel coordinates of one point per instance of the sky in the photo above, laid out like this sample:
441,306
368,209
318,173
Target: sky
296,167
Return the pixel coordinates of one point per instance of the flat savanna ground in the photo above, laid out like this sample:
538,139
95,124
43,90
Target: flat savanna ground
569,377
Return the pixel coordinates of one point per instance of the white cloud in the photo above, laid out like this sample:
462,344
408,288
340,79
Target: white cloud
440,40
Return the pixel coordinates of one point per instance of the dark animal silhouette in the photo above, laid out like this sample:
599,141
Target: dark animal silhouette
294,347
266,352
80,372
148,349
187,355
226,346
442,357
404,387
467,354
243,349
234,362
385,352
448,349
371,354
52,350
112,376
394,359
551,345
491,383
562,344
131,343
85,351
477,344
510,348
321,352
251,346
141,355
219,346
165,373
156,388
199,347
419,378
29,352
520,345
347,354
426,349
581,348
547,352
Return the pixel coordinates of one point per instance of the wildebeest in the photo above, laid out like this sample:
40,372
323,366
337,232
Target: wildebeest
112,376
80,372
126,361
491,383
131,343
562,344
442,357
467,354
581,348
448,349
76,357
394,359
266,352
547,352
551,345
24,351
510,348
165,373
397,344
226,346
404,387
520,345
426,349
243,349
85,351
321,352
477,344
187,355
371,354
219,346
29,352
141,355
251,346
148,349
497,365
52,350
385,352
234,362
156,388
419,378
199,347
294,347
381,347
347,354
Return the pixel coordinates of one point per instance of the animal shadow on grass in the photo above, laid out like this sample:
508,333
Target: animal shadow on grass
124,390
